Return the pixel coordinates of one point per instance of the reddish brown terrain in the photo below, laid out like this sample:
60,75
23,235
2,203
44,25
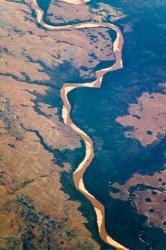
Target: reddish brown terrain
146,119
148,195
61,12
146,122
34,211
37,211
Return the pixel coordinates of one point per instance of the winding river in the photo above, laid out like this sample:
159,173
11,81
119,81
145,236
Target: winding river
65,90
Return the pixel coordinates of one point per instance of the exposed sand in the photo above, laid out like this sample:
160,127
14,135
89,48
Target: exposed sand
75,1
89,154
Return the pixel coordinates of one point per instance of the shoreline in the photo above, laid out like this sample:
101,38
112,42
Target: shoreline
65,90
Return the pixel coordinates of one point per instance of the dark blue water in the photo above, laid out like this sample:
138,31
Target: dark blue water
44,4
95,111
117,157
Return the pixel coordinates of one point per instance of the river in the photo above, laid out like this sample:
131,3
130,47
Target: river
120,157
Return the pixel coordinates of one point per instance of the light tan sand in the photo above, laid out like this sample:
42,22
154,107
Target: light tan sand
75,1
